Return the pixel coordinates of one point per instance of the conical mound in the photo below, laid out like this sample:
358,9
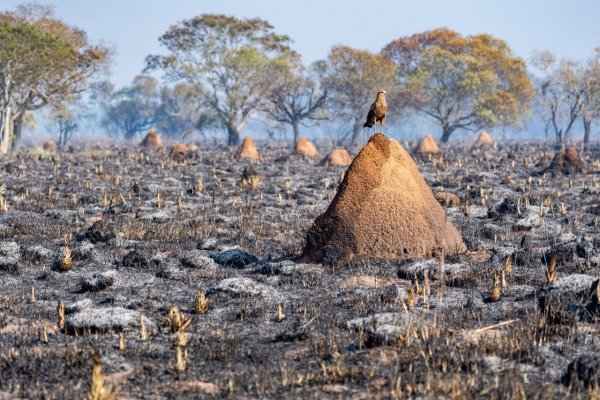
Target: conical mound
427,146
484,141
152,140
305,148
50,145
338,157
247,150
383,209
567,162
180,151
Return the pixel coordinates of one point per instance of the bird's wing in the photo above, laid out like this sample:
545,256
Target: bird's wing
372,112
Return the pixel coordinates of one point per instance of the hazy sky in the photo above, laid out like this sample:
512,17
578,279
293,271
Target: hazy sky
570,28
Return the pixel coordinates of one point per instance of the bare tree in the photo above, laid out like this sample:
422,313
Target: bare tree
563,92
591,106
65,122
297,99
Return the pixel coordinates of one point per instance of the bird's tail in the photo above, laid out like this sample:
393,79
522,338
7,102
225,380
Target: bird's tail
368,125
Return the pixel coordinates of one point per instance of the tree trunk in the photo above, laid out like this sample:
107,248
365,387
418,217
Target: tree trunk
233,135
587,128
5,130
446,132
296,127
18,131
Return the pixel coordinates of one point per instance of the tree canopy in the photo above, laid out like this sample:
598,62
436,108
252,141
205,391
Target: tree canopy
232,63
461,82
297,98
42,61
353,78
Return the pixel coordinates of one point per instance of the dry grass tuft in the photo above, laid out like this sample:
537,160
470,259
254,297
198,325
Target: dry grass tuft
496,290
60,309
551,270
66,261
98,391
201,304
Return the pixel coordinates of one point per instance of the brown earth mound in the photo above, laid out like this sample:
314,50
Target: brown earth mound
447,199
50,145
305,148
383,209
152,140
484,141
427,146
338,157
248,150
567,162
181,151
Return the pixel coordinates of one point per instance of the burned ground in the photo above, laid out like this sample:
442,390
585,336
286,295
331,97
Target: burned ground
279,329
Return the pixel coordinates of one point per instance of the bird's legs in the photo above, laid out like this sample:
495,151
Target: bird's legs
375,125
381,122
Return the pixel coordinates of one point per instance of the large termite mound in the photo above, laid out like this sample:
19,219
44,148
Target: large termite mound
383,209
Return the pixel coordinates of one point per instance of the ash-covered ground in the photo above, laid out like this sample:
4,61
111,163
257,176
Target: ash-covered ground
279,329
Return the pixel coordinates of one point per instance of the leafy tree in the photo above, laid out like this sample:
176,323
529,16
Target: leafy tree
591,106
297,99
130,110
180,112
232,63
42,61
461,82
353,77
563,92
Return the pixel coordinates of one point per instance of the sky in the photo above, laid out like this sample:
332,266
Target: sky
569,28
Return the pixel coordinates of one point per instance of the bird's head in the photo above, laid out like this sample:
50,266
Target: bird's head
381,93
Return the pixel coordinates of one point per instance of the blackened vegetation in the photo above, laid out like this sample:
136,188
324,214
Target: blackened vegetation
280,329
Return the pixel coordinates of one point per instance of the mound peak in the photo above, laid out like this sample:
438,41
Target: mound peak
50,145
305,148
248,150
152,140
567,162
338,157
484,141
180,151
383,209
427,146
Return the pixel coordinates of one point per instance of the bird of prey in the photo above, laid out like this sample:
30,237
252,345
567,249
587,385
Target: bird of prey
377,111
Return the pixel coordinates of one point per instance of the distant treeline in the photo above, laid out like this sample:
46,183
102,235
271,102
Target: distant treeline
219,72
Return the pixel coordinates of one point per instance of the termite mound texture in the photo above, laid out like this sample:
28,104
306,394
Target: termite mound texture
567,162
248,150
338,158
305,148
152,140
427,146
384,210
484,141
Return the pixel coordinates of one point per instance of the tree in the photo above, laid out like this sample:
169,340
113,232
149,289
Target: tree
563,92
461,82
591,104
232,63
297,99
180,112
42,61
130,110
65,122
353,77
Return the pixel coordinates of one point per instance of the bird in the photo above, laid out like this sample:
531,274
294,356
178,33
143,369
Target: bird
377,111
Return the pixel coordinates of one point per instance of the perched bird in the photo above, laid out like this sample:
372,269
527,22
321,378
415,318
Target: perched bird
377,111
